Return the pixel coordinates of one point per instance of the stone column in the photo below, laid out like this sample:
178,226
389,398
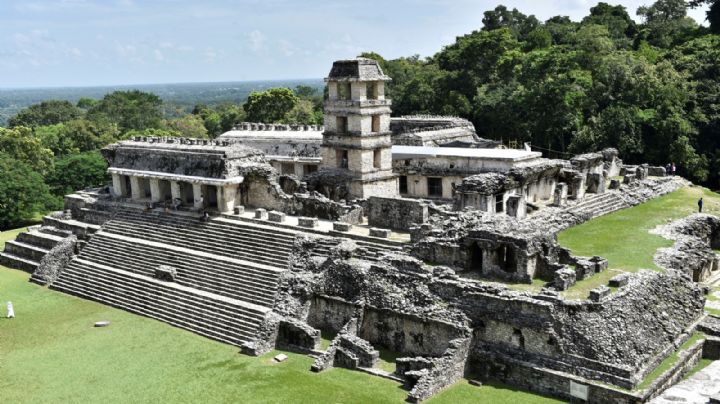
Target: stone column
227,202
198,196
135,189
155,194
118,184
175,190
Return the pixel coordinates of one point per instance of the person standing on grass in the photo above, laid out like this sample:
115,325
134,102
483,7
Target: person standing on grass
700,203
10,310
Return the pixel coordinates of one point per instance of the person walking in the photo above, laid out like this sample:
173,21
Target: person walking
673,169
700,203
10,310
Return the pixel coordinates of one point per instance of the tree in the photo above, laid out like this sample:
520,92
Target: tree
128,110
713,13
189,126
302,113
618,22
20,144
45,113
22,192
76,136
561,29
86,103
270,106
519,24
76,172
666,23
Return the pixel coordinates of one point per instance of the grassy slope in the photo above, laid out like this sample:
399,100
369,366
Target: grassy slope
622,237
51,353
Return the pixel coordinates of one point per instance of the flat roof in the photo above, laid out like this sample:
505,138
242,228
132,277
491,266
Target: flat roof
268,135
407,152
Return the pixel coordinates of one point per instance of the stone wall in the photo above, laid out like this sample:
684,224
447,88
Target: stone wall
55,261
399,214
446,370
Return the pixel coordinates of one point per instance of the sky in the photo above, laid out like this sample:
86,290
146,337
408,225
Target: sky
112,42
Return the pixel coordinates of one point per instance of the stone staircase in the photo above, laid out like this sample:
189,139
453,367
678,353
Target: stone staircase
212,315
262,245
226,273
598,204
26,251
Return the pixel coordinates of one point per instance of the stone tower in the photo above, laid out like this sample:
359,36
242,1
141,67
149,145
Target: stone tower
357,127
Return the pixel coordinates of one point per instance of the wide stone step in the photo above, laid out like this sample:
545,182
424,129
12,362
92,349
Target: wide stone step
13,261
184,255
145,296
222,254
230,278
24,250
158,315
258,294
208,235
253,238
43,239
263,258
82,278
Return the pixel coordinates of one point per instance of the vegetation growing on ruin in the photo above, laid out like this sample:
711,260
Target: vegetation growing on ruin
670,361
623,237
52,353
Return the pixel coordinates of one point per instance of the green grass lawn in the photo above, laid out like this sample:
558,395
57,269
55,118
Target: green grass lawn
669,361
9,235
622,237
51,353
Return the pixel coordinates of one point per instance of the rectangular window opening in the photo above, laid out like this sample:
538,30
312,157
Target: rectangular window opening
341,122
343,91
403,184
377,157
342,158
376,123
434,186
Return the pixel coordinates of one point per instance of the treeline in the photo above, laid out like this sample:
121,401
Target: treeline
52,148
652,89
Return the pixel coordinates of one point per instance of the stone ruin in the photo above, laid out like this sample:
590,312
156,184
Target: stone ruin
280,256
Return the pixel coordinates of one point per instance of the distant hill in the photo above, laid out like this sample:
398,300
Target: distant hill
178,98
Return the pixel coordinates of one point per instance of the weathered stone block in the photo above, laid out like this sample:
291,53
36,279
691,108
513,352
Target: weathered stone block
601,263
641,173
619,281
166,273
275,216
239,210
342,226
261,213
629,179
382,233
584,268
614,184
599,293
656,171
564,278
310,222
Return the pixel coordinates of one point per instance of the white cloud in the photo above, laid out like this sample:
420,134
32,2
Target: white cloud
257,40
158,55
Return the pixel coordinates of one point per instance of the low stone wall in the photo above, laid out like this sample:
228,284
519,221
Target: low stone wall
295,335
399,214
446,370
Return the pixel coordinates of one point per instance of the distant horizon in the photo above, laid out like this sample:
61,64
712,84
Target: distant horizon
61,87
